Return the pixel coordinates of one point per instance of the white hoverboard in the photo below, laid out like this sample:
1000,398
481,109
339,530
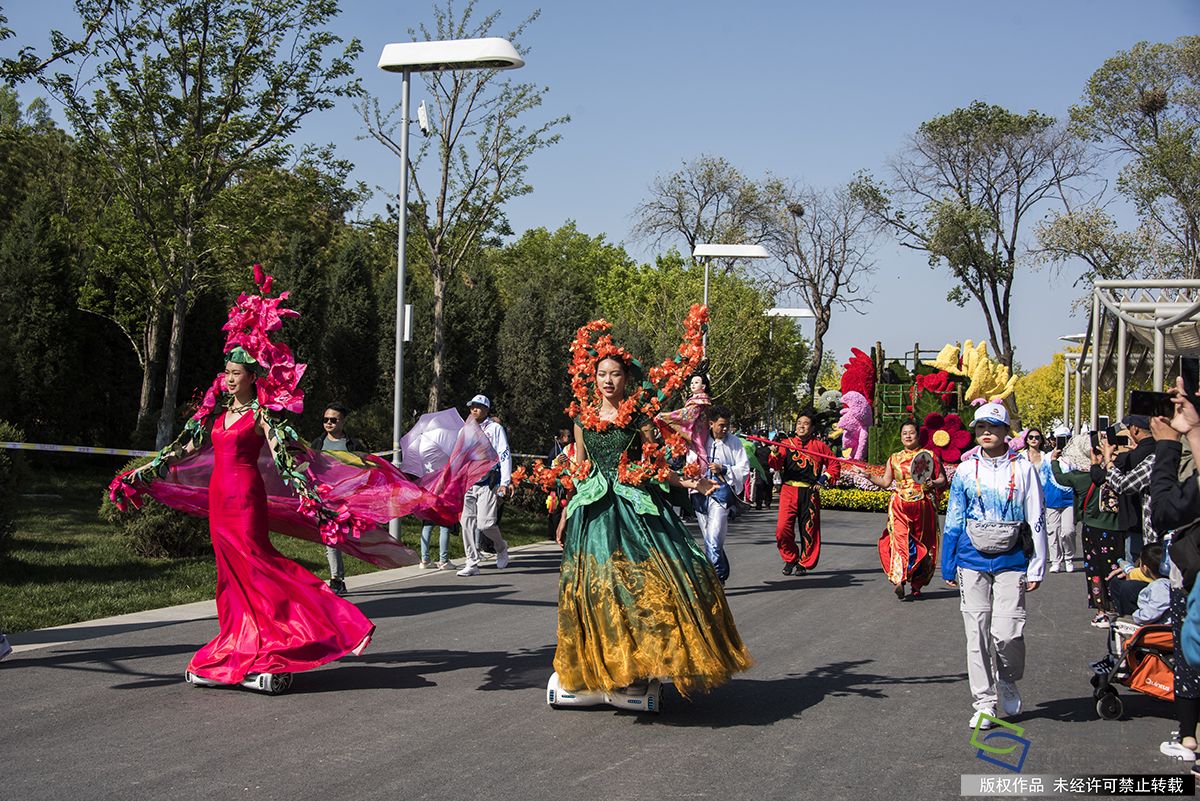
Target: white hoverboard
650,700
269,683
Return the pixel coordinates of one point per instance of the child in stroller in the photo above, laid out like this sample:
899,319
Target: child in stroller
1141,648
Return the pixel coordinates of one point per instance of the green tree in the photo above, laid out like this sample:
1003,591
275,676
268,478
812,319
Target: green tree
480,150
546,282
215,89
963,192
1143,105
753,359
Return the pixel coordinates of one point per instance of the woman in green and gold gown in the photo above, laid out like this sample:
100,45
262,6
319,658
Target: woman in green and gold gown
638,599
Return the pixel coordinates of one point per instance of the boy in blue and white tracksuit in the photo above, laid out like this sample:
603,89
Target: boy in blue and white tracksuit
993,485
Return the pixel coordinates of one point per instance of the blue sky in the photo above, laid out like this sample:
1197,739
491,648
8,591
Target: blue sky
807,91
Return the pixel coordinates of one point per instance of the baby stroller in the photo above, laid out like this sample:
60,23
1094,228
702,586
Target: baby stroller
1141,658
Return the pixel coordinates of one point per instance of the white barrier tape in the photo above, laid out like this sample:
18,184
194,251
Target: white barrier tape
37,446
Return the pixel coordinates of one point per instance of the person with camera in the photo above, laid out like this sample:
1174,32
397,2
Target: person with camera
994,552
1176,510
1096,507
1129,476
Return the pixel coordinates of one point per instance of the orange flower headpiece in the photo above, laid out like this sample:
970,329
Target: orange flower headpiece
593,343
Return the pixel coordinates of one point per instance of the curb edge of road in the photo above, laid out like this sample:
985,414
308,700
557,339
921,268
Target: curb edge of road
37,639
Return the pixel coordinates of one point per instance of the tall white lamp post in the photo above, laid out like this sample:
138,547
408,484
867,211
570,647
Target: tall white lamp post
795,314
407,58
710,251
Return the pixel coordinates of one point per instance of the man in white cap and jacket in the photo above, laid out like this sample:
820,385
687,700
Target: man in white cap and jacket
481,504
994,551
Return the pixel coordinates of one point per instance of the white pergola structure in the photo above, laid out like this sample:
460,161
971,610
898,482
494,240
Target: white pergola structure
1139,329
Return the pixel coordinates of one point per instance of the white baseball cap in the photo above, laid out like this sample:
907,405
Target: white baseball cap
994,413
480,400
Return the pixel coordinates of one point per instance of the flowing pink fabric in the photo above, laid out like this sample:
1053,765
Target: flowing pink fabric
274,616
367,486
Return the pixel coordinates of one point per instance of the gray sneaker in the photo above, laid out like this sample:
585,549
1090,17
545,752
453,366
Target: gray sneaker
447,565
1010,699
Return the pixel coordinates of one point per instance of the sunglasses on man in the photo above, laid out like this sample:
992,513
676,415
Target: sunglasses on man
333,420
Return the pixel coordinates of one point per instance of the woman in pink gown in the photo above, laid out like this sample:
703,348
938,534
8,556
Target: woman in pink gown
275,616
247,470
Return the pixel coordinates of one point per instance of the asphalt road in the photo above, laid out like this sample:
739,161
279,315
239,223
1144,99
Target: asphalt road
853,695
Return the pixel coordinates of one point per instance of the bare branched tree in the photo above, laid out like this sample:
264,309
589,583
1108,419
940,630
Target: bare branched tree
706,200
480,151
824,240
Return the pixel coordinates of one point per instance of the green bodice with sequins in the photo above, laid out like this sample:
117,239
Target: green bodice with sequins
604,448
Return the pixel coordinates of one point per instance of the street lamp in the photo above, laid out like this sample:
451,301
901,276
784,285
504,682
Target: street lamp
782,311
709,251
407,58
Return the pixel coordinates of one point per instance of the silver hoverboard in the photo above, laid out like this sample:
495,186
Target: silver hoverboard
269,683
638,698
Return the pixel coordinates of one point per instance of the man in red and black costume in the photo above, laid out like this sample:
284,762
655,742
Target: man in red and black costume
804,472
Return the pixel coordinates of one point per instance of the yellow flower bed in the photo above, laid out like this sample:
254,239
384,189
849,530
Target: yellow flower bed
856,500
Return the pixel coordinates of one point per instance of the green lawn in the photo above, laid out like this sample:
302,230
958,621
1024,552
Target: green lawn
67,565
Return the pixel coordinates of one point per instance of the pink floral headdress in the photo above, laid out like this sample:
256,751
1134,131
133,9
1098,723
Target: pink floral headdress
251,321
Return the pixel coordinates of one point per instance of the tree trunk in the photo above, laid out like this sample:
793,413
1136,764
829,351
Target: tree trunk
439,340
818,354
166,417
152,368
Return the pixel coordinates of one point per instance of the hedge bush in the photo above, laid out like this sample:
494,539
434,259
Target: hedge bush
156,531
14,471
856,500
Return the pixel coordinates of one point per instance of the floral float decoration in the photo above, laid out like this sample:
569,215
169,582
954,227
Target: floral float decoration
989,380
858,375
854,423
938,384
945,436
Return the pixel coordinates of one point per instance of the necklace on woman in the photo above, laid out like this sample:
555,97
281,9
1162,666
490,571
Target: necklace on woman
235,409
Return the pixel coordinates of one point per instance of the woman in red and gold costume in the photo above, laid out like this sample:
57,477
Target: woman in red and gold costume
908,547
805,464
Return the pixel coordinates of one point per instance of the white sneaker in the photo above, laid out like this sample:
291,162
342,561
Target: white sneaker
428,565
1070,567
1010,698
469,570
980,722
5,647
502,559
1055,568
1176,749
447,565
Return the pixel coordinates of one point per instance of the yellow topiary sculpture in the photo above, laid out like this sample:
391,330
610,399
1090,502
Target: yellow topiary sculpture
988,380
